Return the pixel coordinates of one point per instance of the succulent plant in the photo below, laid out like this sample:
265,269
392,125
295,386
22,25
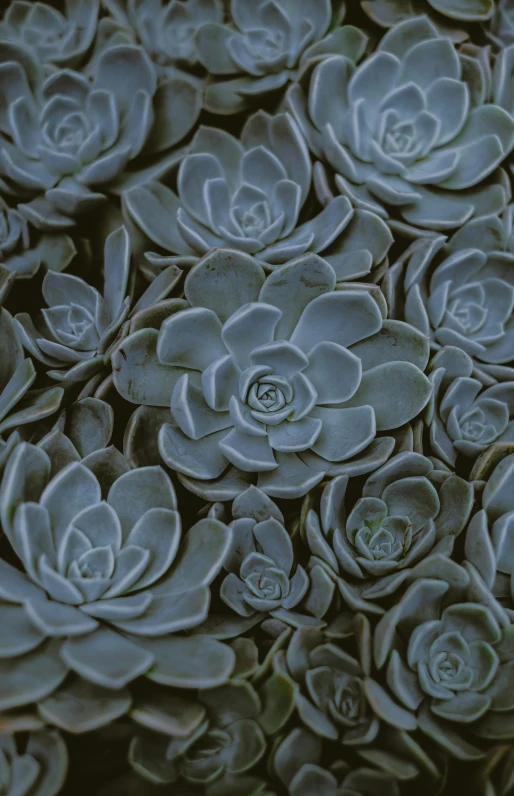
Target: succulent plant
502,24
263,576
62,135
73,334
166,28
107,582
463,417
39,771
461,297
226,742
451,662
265,44
385,130
488,543
23,249
248,195
60,39
337,698
256,397
446,15
359,782
18,404
282,378
409,513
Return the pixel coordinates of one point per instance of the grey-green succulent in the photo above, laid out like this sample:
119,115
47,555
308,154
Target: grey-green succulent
385,130
462,416
222,744
60,39
449,16
451,663
337,697
38,771
106,580
19,405
462,297
488,546
23,249
249,195
409,513
62,135
280,378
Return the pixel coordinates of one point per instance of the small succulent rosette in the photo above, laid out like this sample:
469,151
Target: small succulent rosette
74,336
461,295
250,195
338,695
296,763
19,405
264,578
407,517
449,661
39,770
450,17
24,249
55,38
264,45
488,549
105,581
464,417
218,742
65,138
400,137
280,379
167,29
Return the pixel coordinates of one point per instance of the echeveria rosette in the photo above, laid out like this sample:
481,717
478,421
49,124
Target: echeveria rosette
18,404
263,45
23,249
40,770
73,333
337,697
488,549
65,138
167,28
226,742
461,297
249,195
409,513
463,416
447,15
284,379
385,129
263,576
109,581
451,663
59,39
296,762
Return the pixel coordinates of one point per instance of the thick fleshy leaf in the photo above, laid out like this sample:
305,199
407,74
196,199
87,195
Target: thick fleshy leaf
189,662
397,391
106,658
138,375
223,281
81,706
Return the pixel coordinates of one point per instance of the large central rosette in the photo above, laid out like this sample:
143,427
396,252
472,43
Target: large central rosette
285,378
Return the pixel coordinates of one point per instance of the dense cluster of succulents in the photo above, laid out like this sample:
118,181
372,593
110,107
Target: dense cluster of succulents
257,397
